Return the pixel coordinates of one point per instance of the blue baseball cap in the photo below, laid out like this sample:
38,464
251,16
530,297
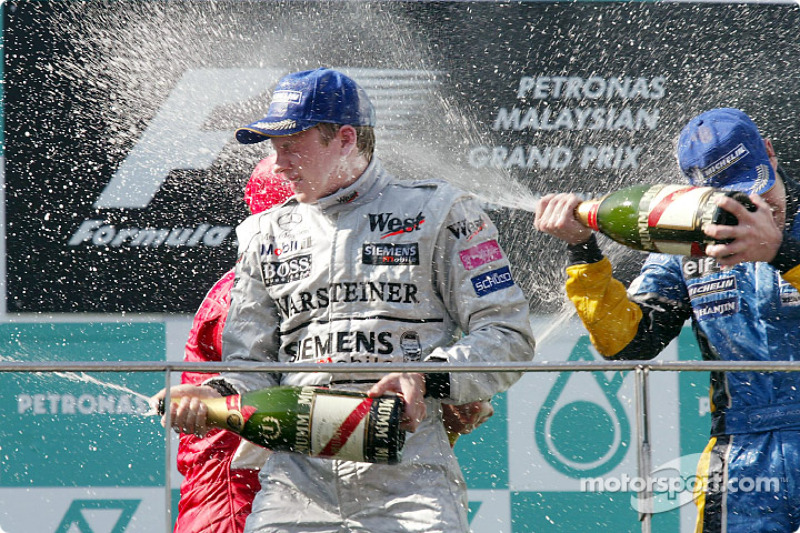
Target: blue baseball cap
304,99
722,148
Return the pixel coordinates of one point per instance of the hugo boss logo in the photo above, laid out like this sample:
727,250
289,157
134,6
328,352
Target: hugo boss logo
390,225
281,272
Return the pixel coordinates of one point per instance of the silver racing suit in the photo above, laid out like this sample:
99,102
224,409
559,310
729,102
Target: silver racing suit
382,271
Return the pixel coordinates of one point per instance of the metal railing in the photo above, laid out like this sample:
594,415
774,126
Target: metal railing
641,370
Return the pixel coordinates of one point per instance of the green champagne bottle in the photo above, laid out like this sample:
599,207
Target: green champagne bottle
314,421
660,218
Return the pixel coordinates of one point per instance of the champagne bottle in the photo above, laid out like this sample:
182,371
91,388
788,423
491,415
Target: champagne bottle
660,218
314,421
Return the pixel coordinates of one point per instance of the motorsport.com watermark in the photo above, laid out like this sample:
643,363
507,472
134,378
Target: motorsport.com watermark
668,488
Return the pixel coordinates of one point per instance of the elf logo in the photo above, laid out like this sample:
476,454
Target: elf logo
390,225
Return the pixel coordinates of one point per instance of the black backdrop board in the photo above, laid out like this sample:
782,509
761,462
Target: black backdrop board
124,181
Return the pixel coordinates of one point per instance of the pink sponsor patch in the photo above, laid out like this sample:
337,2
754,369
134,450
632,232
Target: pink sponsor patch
485,252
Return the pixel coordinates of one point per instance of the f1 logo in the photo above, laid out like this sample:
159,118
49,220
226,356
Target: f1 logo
175,139
85,516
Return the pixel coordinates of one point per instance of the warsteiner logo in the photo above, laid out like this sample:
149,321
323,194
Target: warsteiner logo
389,225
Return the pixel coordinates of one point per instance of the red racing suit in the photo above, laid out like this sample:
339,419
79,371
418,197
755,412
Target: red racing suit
215,495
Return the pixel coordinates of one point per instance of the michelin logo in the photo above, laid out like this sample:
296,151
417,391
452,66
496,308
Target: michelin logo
710,287
492,281
731,158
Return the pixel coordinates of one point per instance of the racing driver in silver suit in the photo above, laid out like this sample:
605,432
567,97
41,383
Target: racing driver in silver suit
361,267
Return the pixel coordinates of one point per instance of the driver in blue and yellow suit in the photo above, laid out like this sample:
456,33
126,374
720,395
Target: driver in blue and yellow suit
744,305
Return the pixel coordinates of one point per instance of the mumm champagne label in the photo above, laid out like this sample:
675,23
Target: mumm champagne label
356,428
338,426
305,402
315,421
672,220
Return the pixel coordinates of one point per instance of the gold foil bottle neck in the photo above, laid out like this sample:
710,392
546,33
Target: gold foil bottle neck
586,213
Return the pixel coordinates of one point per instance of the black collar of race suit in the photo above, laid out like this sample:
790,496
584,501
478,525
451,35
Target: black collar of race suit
365,189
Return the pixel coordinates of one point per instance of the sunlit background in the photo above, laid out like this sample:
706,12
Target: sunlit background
123,183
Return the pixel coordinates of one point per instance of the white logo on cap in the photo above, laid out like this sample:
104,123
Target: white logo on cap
732,157
280,125
287,97
762,179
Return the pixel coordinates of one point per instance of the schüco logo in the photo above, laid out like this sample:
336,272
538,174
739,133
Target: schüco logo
178,138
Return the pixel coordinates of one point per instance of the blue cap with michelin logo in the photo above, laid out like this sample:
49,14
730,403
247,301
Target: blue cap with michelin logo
722,148
304,99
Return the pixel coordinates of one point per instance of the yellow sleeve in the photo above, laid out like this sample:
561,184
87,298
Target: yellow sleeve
793,277
603,305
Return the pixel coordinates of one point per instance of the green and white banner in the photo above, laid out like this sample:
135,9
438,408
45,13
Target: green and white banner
560,453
